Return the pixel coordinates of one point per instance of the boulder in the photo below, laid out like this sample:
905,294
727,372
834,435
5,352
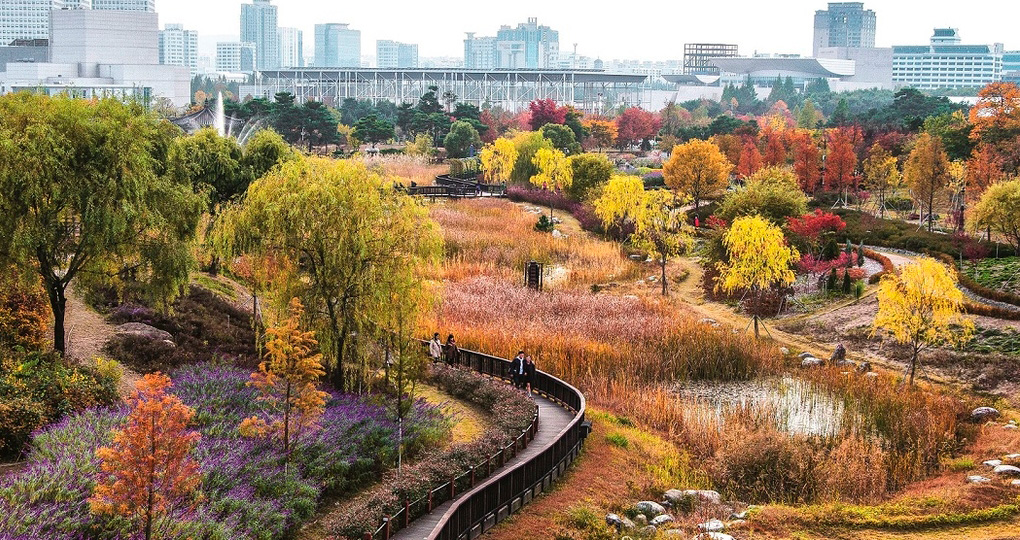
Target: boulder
145,331
649,508
739,515
662,520
708,321
846,363
1007,470
640,520
1011,456
713,536
648,531
981,414
676,497
864,367
784,351
811,361
976,479
992,463
557,234
1009,426
871,374
804,355
635,257
712,525
613,520
1015,483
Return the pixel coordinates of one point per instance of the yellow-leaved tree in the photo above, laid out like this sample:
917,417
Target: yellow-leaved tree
881,174
287,381
554,172
697,169
922,307
657,216
759,259
498,160
999,210
928,173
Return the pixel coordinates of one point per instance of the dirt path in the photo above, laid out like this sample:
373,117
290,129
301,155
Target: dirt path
87,333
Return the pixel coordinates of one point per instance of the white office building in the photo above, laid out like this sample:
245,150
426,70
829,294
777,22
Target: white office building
96,53
479,52
179,47
337,45
947,63
124,5
291,47
235,57
258,26
395,55
26,19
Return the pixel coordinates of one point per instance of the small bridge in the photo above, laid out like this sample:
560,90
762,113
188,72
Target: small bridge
540,456
451,187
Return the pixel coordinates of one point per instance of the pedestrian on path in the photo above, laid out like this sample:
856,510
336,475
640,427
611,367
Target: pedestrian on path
435,348
452,352
517,369
529,373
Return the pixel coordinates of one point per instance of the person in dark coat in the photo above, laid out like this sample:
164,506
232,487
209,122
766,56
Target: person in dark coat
529,373
451,352
517,369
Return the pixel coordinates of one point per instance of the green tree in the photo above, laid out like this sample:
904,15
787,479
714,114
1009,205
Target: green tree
461,139
589,173
527,143
84,194
373,129
772,193
352,233
562,138
265,149
659,222
999,211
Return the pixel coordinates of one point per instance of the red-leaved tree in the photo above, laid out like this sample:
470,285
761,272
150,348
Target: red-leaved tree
750,159
635,125
812,227
149,474
841,160
775,150
545,111
807,163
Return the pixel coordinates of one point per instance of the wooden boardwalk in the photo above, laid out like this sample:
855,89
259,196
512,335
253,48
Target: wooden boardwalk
552,419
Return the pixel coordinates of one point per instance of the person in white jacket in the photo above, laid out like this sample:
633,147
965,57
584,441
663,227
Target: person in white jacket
435,348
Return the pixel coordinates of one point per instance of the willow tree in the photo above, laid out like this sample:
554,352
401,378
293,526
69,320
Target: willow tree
999,210
351,235
84,197
554,172
759,258
922,307
657,216
498,160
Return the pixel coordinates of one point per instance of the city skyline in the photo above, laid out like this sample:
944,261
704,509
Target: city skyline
637,34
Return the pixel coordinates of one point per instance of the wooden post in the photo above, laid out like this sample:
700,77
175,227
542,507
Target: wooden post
407,512
368,536
453,487
430,501
472,477
488,466
386,533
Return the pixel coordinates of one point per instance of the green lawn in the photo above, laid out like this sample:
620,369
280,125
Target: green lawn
1002,274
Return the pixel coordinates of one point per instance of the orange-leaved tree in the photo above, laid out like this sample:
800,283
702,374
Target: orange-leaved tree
287,383
996,115
698,169
807,162
149,473
750,159
927,172
841,160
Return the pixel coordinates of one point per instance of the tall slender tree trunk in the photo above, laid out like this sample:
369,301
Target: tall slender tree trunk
58,304
662,263
913,366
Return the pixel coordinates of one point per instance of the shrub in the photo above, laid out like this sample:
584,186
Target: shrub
887,266
544,224
767,466
590,172
772,193
39,389
24,313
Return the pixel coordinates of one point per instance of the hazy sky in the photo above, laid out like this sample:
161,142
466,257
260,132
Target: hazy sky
652,30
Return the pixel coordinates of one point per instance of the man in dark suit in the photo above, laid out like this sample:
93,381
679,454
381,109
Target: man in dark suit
517,369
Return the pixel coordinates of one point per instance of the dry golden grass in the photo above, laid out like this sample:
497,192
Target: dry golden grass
495,237
409,169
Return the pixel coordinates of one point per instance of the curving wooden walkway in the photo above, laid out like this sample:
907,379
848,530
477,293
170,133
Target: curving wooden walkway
552,420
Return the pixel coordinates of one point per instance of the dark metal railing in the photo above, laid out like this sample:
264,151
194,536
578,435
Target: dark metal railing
489,494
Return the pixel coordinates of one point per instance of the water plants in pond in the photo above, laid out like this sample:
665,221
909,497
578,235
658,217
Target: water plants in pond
786,404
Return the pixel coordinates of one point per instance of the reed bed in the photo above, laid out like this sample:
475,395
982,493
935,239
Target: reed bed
495,237
417,169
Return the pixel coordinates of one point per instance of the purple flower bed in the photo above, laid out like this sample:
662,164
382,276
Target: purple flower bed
583,213
249,490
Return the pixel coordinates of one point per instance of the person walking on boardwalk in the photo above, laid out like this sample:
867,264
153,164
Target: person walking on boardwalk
435,348
452,352
517,369
529,373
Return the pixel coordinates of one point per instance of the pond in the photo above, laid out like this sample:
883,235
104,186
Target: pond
787,404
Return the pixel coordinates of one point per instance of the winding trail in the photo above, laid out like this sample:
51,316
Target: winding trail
552,420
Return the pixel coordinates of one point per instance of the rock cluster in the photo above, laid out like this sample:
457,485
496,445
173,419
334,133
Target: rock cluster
648,518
